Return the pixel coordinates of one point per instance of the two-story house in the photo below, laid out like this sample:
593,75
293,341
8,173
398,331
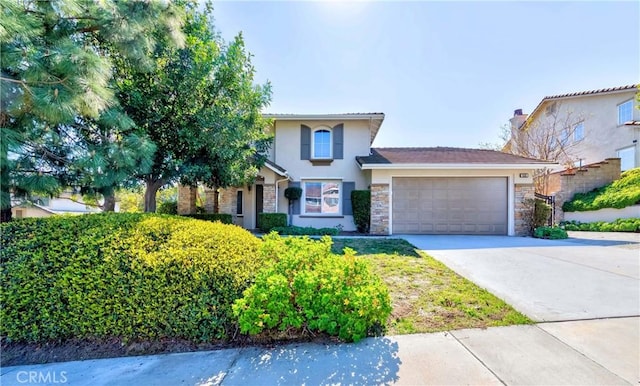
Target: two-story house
582,127
413,190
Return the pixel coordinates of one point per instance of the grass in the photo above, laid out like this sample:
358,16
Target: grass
427,296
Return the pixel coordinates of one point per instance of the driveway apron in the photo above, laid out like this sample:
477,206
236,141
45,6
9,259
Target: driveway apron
548,280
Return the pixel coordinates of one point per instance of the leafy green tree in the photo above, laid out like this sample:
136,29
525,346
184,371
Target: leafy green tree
200,107
56,61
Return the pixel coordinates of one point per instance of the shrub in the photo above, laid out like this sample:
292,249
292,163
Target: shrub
224,218
305,231
306,287
620,225
361,203
122,275
293,193
618,194
268,221
168,207
553,233
541,213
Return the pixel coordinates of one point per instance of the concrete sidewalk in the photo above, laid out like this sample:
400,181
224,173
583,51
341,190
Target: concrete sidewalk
591,352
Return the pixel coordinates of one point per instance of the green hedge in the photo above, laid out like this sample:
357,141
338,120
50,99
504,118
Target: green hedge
213,217
132,276
620,225
305,231
618,194
268,221
168,207
361,204
309,288
553,233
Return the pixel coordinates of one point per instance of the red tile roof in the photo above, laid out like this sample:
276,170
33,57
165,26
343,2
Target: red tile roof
442,155
599,91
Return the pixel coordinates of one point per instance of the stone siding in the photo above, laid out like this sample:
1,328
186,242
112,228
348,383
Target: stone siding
209,200
523,193
379,209
187,199
227,201
269,198
565,184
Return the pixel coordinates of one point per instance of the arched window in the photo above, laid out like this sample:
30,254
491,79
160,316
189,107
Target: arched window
322,143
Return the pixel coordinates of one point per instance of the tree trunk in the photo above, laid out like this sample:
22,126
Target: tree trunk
109,202
152,187
5,214
109,197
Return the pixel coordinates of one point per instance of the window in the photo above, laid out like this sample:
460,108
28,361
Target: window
578,132
19,213
564,137
239,203
625,112
627,158
322,197
322,144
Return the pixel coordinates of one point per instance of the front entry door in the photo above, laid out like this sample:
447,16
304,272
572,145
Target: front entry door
259,190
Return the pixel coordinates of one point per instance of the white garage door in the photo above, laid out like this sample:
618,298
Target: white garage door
457,205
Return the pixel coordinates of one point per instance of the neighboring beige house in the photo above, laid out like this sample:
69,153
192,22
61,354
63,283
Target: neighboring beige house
413,190
591,125
46,207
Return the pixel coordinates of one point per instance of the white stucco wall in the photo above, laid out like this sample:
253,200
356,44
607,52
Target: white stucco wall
603,137
607,214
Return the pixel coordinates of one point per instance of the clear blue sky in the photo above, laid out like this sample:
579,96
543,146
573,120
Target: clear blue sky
444,73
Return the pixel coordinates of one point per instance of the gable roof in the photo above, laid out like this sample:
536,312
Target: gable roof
445,157
375,119
608,90
279,170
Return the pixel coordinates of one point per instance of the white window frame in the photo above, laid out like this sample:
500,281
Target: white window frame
624,105
313,142
633,158
579,128
303,209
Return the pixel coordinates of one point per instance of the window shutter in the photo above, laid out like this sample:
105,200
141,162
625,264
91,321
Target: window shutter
338,141
298,204
305,142
347,188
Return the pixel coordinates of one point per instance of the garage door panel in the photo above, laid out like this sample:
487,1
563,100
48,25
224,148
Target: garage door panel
456,205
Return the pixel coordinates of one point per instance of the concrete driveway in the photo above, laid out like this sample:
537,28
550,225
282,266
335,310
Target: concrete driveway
588,276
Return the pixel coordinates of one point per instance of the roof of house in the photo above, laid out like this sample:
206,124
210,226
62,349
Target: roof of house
276,168
577,94
375,119
442,156
591,92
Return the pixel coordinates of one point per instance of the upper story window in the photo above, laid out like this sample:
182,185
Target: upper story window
625,112
578,132
564,137
322,143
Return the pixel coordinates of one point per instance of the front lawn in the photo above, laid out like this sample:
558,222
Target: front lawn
426,296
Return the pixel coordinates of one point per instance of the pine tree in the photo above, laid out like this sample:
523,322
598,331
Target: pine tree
56,68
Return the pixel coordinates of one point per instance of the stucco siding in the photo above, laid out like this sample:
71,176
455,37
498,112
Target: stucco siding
603,137
356,143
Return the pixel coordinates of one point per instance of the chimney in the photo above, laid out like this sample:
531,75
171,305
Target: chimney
518,119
